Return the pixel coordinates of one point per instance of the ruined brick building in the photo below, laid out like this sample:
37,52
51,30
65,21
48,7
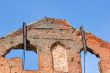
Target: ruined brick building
58,46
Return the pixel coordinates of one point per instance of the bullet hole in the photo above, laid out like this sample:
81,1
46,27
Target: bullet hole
1,64
72,59
11,42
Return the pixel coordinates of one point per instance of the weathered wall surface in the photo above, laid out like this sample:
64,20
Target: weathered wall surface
10,66
43,36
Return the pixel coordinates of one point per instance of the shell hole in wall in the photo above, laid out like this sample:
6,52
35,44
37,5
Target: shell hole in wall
31,58
91,63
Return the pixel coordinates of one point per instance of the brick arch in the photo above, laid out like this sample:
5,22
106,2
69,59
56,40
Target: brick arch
58,43
59,57
55,44
19,45
91,51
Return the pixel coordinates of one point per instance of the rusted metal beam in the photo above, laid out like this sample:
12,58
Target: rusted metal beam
24,42
83,35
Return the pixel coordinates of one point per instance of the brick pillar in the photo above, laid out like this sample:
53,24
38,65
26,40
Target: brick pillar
15,65
4,66
104,64
74,63
45,62
40,61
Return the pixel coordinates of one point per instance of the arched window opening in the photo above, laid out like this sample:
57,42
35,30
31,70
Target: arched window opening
91,63
31,58
59,58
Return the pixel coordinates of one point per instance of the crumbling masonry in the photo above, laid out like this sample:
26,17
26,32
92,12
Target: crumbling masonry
58,46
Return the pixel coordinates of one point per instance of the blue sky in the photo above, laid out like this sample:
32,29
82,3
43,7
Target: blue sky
94,15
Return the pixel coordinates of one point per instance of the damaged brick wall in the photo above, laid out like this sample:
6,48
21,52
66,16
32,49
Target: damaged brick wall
10,66
42,36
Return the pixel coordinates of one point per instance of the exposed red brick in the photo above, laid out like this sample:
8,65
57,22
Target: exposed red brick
42,40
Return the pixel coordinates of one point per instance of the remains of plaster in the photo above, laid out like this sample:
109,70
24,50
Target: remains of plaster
60,58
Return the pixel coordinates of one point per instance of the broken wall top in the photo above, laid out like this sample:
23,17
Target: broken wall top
53,29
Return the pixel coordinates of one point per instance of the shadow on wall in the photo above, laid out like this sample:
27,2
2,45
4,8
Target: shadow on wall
91,63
